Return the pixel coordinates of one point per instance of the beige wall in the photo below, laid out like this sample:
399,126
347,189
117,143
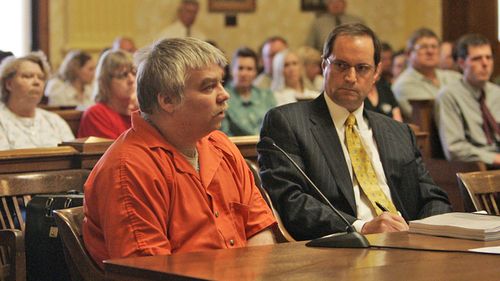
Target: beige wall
92,24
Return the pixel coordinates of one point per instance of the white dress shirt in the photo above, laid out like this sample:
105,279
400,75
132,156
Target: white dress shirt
339,115
178,30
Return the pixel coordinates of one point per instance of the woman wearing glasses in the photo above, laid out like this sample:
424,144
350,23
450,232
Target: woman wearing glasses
114,96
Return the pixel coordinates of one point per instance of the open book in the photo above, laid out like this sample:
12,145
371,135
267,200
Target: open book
459,225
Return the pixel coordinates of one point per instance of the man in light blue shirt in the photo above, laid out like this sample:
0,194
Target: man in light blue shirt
468,110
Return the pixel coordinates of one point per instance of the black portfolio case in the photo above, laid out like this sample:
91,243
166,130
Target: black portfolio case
44,249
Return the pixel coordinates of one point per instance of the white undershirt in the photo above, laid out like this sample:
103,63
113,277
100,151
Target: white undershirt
339,116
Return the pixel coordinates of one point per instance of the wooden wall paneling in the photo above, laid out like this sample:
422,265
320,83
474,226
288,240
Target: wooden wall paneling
472,16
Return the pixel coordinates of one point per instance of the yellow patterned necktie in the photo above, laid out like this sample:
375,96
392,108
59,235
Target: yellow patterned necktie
363,169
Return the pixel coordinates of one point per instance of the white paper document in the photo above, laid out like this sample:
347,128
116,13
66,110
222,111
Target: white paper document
459,225
487,250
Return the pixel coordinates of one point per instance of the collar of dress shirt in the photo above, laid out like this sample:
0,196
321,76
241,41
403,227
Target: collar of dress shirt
476,93
339,114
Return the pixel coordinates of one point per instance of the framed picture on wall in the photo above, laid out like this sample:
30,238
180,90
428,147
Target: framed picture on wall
231,6
312,5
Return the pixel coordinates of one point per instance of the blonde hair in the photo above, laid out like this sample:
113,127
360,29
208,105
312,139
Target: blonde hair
109,63
10,66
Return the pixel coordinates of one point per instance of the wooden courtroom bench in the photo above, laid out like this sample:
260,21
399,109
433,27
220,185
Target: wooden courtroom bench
72,117
80,153
247,146
90,150
423,117
38,159
70,114
83,153
422,140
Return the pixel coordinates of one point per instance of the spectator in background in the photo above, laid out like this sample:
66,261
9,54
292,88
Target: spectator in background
446,56
270,48
73,84
114,94
22,124
468,110
334,17
381,99
124,43
386,64
288,79
421,79
311,64
248,104
399,60
183,26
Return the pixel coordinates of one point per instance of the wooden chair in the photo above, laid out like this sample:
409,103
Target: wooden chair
12,255
280,232
481,189
16,190
80,264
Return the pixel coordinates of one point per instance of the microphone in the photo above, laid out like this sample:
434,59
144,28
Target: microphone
348,239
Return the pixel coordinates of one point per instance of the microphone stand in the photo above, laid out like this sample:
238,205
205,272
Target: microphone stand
348,239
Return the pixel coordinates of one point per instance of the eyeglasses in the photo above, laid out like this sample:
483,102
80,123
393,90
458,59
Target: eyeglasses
124,74
419,47
362,69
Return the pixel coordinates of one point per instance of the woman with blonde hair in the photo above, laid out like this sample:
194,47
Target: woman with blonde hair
114,94
74,83
22,124
311,63
288,80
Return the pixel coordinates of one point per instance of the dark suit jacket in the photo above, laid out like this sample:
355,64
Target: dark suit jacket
305,130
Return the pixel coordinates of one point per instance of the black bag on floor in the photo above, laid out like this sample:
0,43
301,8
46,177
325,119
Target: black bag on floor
44,249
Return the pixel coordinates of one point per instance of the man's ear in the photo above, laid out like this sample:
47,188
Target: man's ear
166,103
461,63
8,85
378,72
323,66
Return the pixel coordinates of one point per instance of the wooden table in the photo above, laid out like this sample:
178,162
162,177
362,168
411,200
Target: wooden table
295,261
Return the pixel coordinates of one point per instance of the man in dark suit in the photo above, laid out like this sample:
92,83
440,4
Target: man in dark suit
315,133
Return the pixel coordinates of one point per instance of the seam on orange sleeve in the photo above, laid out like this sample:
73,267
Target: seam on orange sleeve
128,205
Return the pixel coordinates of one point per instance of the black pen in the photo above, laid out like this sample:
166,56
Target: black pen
381,207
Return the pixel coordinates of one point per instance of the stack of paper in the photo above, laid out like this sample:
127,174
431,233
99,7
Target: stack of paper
459,225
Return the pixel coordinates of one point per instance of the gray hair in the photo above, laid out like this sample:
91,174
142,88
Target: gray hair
73,61
10,66
109,64
163,68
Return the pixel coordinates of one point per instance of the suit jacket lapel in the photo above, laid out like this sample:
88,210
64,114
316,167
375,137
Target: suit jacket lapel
327,138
